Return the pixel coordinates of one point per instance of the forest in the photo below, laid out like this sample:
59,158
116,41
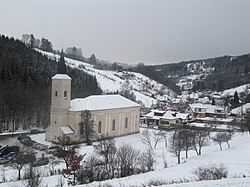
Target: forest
25,81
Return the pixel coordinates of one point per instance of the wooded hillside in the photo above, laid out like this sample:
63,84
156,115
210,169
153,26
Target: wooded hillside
25,80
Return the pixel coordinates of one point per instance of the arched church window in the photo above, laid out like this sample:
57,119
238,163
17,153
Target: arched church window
126,123
56,94
65,93
99,127
113,125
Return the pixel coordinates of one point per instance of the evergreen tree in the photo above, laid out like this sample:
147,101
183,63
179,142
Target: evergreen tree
87,126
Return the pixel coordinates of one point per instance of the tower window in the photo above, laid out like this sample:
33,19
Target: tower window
100,127
113,125
56,94
65,93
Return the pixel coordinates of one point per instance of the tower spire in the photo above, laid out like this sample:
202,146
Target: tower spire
61,67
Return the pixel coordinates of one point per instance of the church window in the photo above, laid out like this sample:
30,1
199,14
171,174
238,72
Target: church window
113,125
126,123
56,94
65,93
99,127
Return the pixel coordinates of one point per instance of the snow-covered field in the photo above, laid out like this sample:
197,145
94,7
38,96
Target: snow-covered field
236,159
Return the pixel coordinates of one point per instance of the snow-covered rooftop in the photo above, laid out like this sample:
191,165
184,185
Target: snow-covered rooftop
67,130
101,102
61,76
209,108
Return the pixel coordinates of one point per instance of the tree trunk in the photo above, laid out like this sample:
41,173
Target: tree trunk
19,174
199,150
179,158
186,153
220,146
228,145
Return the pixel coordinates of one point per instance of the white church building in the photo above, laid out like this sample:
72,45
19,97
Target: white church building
113,115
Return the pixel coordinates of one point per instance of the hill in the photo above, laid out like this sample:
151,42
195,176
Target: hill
216,74
145,89
25,78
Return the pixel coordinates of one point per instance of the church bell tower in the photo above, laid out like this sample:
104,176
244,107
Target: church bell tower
61,87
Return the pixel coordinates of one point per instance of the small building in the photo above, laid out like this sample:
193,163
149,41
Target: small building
165,118
113,115
198,110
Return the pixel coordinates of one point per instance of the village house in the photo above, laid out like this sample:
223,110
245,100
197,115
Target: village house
198,110
165,118
113,115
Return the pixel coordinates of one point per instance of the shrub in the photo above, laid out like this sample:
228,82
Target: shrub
211,172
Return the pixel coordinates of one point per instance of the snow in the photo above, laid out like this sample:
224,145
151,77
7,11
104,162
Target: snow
236,159
67,130
241,110
100,102
239,89
61,76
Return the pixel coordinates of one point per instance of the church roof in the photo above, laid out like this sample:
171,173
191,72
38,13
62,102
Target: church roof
101,102
61,76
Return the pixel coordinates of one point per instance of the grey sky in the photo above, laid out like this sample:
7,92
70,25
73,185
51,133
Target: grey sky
133,31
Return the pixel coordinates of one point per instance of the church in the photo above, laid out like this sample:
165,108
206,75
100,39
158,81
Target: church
113,115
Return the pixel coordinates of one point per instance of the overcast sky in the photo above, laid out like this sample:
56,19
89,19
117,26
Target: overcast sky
133,31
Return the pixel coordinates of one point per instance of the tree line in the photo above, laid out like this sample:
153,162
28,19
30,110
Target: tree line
25,85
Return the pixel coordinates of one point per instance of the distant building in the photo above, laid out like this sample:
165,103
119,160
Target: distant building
113,115
198,110
165,118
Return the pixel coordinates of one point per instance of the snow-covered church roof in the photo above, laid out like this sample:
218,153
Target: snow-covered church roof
101,102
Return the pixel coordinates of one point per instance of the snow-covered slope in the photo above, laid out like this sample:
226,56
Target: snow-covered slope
236,159
243,88
112,81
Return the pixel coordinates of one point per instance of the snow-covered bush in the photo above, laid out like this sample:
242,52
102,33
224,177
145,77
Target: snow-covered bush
211,172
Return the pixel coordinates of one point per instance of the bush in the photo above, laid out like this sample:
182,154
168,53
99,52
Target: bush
211,172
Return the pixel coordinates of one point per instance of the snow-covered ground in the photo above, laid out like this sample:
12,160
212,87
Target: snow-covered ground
243,88
236,159
112,81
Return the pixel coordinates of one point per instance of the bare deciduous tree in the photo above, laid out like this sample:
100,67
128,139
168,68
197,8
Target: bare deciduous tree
33,177
201,139
157,138
146,138
24,156
127,158
176,145
221,138
147,159
106,149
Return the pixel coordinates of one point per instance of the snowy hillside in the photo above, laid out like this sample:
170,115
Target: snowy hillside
236,159
243,88
111,81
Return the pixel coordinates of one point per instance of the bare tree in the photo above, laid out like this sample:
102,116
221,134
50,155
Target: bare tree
147,159
187,138
157,138
164,136
221,138
106,149
127,159
200,140
33,177
176,145
146,138
24,156
64,147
